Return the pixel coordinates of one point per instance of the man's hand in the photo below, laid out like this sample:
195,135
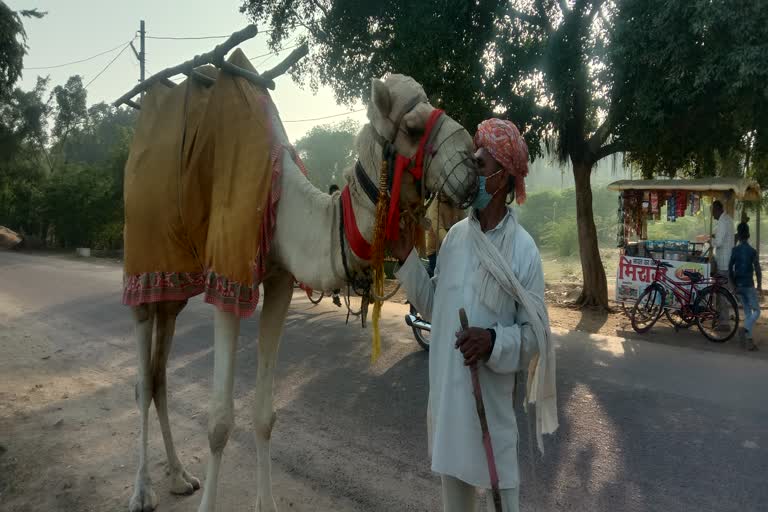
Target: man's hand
475,344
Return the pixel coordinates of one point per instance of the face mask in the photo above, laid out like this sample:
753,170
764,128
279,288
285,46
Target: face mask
483,197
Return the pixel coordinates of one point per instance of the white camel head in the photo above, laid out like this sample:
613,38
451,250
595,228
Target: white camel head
399,112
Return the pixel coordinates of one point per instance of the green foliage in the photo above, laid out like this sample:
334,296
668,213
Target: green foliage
78,202
673,82
550,218
13,45
104,130
562,238
327,150
685,228
69,190
697,74
436,42
71,111
12,48
22,124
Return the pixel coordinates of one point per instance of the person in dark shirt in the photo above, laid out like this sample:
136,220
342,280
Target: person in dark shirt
742,266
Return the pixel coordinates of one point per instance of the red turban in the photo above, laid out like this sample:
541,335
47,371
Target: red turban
505,144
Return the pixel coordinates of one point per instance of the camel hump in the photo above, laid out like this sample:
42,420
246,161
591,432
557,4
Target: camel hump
198,189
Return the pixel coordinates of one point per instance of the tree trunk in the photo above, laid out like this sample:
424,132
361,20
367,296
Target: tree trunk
595,290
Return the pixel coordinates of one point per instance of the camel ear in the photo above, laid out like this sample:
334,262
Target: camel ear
380,95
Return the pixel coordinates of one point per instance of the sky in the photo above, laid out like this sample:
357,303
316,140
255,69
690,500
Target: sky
77,29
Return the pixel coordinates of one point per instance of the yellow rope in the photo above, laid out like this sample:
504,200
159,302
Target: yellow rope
377,258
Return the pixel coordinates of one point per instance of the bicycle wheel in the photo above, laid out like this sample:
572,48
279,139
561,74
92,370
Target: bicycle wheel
423,337
678,318
317,300
717,315
647,308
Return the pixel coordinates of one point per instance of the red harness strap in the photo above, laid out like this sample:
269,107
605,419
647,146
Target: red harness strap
357,243
415,166
417,170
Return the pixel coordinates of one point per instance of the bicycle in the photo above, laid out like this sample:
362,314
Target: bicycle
701,301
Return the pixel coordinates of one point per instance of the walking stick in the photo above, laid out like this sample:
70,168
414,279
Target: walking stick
483,423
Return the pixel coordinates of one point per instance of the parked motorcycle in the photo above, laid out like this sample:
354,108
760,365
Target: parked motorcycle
422,330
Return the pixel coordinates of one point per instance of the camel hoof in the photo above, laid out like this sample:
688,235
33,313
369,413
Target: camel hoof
143,499
266,505
183,483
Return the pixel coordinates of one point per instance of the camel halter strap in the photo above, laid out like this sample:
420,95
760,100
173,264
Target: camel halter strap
394,166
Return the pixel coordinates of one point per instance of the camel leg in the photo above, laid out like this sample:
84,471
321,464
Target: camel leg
181,481
221,417
278,290
143,499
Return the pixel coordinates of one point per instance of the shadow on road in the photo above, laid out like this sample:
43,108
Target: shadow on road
355,431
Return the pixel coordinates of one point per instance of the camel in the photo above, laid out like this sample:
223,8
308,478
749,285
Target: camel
305,218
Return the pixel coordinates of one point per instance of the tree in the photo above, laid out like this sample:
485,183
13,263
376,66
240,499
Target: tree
710,115
23,127
327,150
71,110
70,186
103,129
13,45
539,63
551,66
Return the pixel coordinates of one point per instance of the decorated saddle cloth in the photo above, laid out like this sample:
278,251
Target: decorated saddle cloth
201,191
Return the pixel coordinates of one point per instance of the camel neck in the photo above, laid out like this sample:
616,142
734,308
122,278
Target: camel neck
310,246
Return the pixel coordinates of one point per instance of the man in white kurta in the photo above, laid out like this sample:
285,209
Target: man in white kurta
723,238
502,343
722,241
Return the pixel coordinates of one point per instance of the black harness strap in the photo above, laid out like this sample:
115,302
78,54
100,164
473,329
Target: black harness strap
368,186
390,153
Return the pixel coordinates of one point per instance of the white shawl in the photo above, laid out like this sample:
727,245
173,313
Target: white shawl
498,279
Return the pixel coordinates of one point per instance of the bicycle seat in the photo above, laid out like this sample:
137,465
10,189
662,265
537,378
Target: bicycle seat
694,276
665,265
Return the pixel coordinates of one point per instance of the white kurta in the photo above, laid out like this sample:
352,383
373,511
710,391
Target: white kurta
457,448
723,242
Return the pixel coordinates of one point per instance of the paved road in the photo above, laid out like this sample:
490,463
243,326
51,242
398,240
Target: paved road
644,427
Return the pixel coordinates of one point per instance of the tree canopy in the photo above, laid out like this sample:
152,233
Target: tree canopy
327,150
697,74
583,76
13,45
64,188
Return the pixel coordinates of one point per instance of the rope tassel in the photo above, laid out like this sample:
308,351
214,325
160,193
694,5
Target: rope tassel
377,258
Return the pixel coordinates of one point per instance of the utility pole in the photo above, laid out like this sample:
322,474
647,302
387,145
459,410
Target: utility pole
142,52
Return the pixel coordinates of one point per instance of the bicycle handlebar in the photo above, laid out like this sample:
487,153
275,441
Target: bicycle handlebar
660,263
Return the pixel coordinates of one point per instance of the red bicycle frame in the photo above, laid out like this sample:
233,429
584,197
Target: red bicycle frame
678,288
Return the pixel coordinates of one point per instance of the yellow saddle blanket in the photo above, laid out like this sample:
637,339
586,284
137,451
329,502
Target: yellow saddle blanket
201,188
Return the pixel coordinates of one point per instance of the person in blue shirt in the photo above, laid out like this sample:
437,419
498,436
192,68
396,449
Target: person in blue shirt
743,264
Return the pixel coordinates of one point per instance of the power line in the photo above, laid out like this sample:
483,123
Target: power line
186,38
269,57
195,38
107,66
275,53
83,60
324,117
